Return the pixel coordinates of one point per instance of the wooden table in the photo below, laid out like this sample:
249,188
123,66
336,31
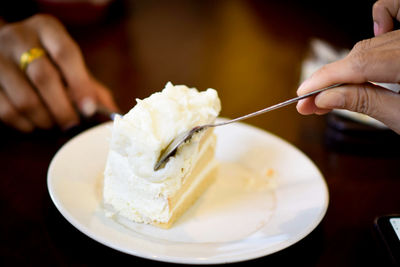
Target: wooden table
251,52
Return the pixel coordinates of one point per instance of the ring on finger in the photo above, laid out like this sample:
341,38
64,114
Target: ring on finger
29,56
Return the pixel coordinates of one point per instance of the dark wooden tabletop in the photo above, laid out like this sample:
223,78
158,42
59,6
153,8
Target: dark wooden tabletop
251,52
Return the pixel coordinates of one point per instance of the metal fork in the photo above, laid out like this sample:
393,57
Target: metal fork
187,135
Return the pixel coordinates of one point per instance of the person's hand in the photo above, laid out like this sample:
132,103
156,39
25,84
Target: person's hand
53,88
376,59
383,13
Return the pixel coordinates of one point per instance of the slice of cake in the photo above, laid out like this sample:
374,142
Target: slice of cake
132,188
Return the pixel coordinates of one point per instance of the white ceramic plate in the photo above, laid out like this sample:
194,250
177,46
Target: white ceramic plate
268,195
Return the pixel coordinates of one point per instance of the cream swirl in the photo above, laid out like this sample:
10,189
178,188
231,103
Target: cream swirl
141,134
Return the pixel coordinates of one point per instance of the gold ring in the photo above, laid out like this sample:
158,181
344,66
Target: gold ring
29,56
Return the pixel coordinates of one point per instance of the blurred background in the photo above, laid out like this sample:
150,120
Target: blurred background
250,51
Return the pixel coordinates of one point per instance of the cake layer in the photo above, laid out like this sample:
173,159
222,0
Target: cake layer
196,182
206,158
192,193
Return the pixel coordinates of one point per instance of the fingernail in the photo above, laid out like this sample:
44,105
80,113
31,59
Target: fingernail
376,28
88,107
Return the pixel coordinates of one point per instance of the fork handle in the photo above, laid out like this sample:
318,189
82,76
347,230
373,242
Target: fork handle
276,106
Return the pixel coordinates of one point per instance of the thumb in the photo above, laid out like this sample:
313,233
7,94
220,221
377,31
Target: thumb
369,99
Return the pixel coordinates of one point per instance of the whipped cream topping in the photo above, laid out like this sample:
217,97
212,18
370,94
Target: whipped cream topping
131,186
151,125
